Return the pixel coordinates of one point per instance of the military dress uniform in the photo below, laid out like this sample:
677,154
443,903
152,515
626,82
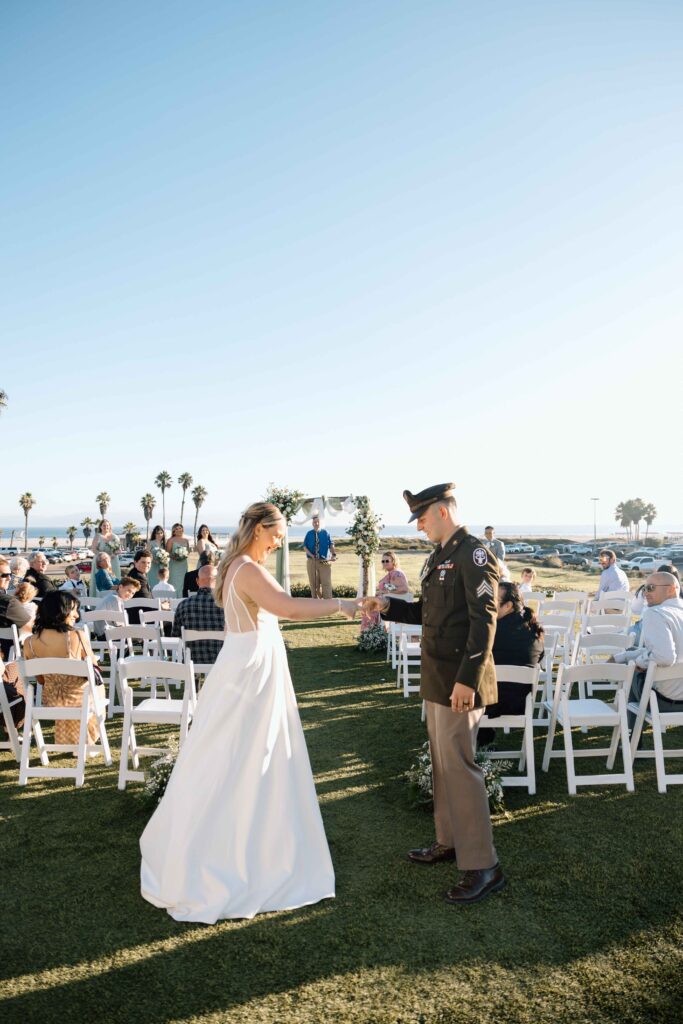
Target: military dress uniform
457,610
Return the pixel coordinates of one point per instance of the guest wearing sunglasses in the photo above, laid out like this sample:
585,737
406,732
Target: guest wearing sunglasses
661,641
393,584
640,604
12,612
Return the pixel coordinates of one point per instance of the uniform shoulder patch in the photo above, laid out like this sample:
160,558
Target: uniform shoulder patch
479,556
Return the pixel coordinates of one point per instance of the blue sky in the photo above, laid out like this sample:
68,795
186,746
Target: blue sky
345,247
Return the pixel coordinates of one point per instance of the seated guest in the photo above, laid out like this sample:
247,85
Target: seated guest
25,594
527,583
19,567
55,636
73,582
190,580
518,641
639,603
12,612
394,583
113,602
661,642
142,563
36,575
612,578
104,578
200,611
163,588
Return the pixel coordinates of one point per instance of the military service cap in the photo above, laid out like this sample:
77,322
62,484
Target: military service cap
417,503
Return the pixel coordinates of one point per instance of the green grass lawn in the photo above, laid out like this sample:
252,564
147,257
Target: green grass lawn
589,928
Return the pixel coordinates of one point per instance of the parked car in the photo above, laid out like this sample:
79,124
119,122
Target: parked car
126,559
644,563
85,565
573,558
519,549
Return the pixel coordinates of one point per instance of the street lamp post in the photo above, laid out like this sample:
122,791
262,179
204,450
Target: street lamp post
595,523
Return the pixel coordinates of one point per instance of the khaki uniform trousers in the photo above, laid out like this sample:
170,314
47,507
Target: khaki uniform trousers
461,806
320,577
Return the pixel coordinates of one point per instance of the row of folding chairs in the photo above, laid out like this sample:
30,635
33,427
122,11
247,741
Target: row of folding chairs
151,710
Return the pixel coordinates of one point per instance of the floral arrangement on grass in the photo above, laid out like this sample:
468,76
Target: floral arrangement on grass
419,778
284,498
179,552
161,557
112,546
158,776
373,639
365,534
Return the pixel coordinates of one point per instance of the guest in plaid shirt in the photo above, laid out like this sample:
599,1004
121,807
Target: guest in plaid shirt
200,611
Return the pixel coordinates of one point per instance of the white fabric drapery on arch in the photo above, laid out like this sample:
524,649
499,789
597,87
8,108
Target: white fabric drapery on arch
310,507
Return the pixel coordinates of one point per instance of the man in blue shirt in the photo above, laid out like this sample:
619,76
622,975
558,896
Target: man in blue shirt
320,554
612,578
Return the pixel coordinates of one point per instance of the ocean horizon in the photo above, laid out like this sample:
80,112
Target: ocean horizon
506,532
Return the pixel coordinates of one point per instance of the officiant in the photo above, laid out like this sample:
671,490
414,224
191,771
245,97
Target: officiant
320,554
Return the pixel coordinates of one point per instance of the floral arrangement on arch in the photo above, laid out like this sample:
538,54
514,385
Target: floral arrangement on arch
179,552
284,498
161,557
365,534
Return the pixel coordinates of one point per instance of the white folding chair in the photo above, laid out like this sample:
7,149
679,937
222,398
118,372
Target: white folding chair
606,623
148,604
614,600
525,756
563,627
88,604
590,712
545,690
409,659
13,741
647,710
152,711
120,644
536,597
170,645
189,636
36,713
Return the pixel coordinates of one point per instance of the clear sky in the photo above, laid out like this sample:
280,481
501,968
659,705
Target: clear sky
346,247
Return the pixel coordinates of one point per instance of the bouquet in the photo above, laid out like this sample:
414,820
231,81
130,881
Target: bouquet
373,639
179,552
112,546
161,557
419,778
158,777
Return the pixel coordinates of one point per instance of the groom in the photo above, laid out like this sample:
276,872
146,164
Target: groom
458,679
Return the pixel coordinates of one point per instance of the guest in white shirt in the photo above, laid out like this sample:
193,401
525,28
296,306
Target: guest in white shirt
527,584
612,578
661,641
163,588
73,582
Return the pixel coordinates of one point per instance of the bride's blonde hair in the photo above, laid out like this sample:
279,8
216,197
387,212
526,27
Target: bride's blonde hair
261,513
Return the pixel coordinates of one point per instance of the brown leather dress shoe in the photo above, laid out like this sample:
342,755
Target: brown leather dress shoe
434,854
475,886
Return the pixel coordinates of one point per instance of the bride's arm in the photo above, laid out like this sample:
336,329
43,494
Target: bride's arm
255,583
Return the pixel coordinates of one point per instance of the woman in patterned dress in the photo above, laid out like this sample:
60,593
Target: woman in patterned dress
55,636
394,584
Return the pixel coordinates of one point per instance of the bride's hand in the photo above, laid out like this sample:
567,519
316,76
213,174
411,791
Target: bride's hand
349,608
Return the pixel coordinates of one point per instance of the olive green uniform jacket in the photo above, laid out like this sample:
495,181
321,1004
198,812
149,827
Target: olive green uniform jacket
458,610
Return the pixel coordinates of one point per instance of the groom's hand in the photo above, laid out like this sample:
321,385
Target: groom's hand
462,698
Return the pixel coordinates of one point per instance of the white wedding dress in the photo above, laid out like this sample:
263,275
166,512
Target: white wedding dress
238,831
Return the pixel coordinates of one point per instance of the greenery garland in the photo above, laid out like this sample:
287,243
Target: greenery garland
365,534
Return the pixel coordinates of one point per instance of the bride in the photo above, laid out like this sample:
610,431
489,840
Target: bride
238,831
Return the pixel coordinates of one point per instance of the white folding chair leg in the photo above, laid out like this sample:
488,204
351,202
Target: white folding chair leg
658,744
625,746
82,739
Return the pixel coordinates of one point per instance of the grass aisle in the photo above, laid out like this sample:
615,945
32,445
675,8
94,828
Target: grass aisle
589,928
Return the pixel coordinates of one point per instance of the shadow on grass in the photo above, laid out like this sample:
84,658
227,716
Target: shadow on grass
585,877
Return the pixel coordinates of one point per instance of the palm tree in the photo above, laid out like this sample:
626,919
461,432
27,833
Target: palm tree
3,400
104,501
185,481
198,497
41,542
54,542
649,515
130,530
148,503
87,525
163,482
27,501
71,532
622,514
